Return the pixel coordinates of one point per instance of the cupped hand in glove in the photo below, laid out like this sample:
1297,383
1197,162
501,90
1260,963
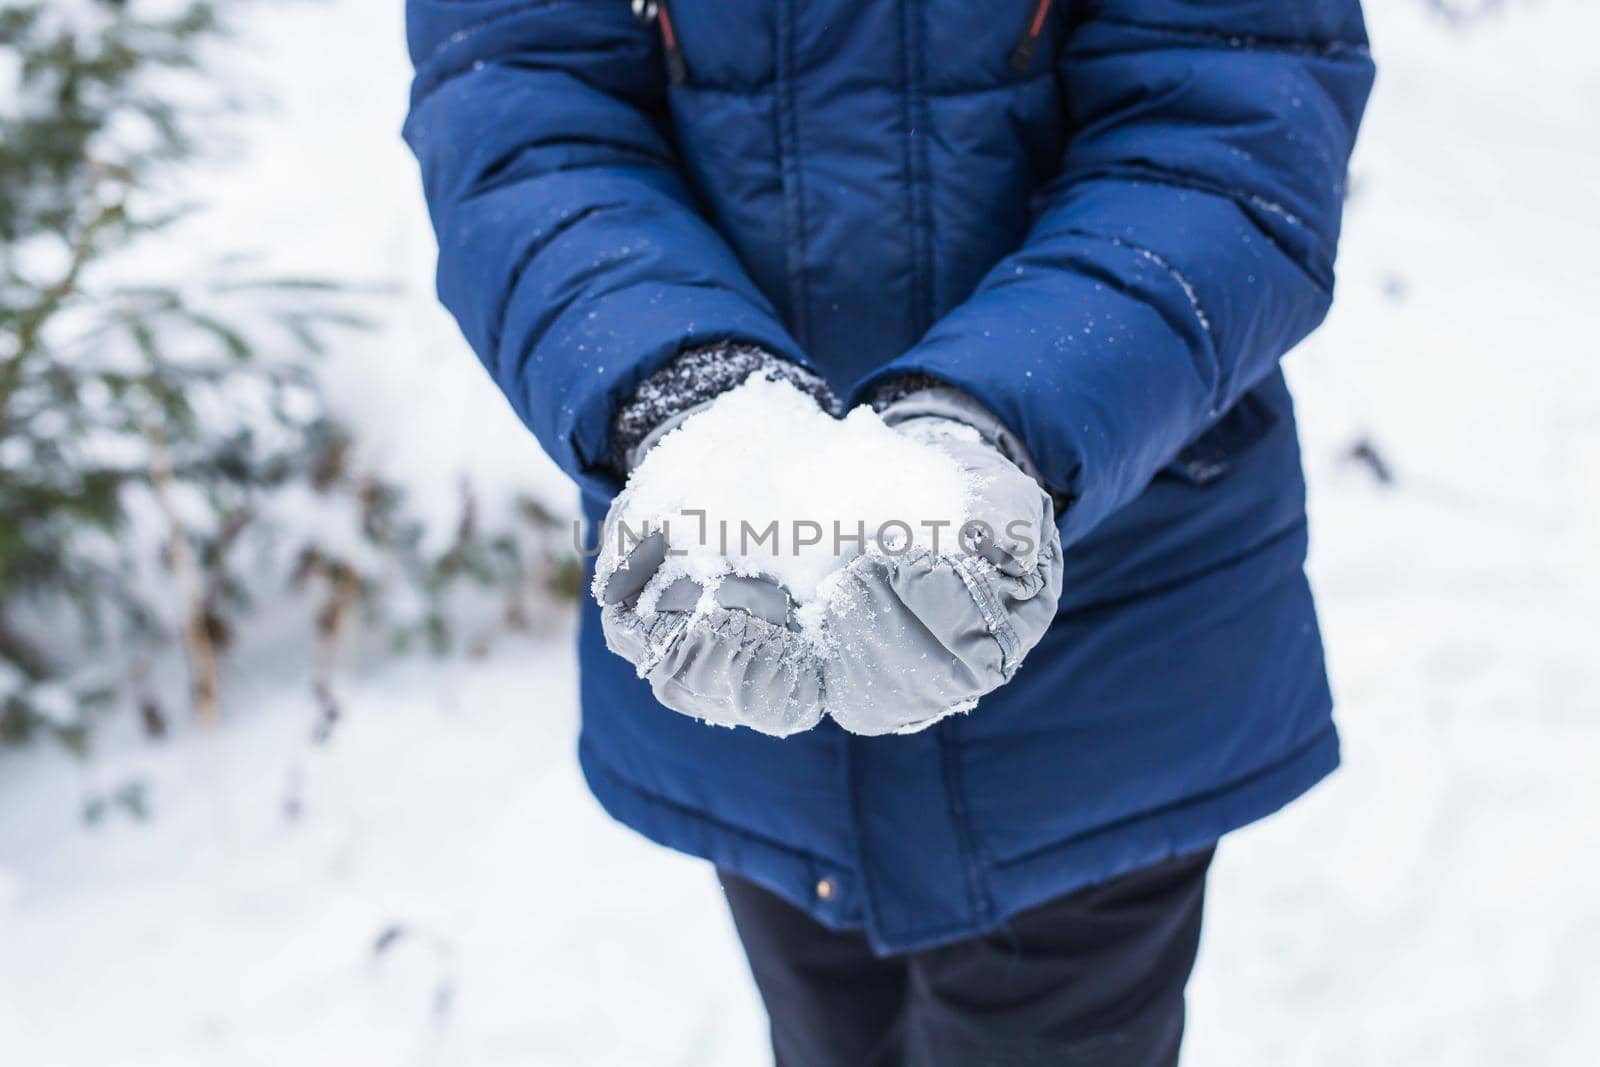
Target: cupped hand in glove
915,637
735,656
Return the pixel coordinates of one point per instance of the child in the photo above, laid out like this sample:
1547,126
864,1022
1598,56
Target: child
1087,229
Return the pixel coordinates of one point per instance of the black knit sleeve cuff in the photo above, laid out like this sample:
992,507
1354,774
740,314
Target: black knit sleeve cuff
697,376
901,386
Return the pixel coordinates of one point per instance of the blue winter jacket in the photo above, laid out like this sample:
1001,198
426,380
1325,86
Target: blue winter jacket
1104,219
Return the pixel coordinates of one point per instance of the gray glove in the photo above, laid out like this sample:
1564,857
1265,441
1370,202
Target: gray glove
742,662
916,637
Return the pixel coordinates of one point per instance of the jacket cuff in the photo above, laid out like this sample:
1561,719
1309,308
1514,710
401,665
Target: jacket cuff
693,379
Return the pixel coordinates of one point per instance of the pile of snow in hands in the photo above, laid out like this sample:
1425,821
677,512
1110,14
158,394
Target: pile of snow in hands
762,482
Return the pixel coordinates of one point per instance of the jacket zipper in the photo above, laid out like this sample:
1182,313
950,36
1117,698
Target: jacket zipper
1022,54
656,10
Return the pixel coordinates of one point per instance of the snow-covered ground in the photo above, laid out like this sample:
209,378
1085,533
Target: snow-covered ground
449,895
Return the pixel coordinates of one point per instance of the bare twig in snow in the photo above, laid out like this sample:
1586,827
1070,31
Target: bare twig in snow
201,651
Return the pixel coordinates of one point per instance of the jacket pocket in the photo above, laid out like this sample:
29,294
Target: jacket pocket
1211,455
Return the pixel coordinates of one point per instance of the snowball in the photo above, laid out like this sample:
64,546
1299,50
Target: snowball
789,492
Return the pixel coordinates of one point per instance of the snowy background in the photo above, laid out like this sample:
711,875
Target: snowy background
450,895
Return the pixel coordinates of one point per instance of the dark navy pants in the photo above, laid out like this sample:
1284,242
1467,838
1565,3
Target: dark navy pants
1091,979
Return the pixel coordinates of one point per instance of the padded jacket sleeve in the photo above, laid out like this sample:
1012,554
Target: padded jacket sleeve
571,251
1186,244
